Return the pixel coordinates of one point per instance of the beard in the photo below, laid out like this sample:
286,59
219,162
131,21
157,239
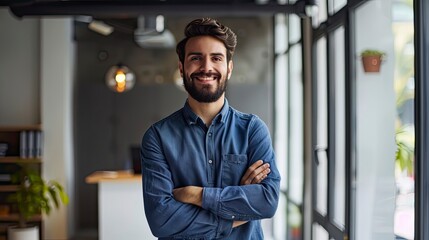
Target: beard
207,93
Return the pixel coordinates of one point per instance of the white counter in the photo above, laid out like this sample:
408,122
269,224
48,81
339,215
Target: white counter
120,206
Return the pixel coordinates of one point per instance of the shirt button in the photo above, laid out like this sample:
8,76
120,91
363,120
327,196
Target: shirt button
210,161
232,216
210,134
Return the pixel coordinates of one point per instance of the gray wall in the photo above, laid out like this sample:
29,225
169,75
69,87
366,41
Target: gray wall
107,123
19,70
36,57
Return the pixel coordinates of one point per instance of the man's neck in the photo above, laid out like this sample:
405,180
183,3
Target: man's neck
206,111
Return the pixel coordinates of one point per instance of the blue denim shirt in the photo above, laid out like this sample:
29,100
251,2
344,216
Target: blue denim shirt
181,150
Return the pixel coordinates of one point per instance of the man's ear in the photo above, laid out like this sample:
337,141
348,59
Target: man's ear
230,67
180,65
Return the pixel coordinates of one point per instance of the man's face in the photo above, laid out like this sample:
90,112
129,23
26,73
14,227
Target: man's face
205,70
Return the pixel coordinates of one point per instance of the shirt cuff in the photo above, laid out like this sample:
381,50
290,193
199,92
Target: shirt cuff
211,199
224,228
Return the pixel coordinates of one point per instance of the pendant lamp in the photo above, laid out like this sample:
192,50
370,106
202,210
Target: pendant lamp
120,78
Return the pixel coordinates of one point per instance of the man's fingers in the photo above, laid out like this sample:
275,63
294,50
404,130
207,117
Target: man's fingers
256,173
261,176
251,169
260,170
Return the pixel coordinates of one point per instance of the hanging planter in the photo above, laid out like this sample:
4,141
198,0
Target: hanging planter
371,60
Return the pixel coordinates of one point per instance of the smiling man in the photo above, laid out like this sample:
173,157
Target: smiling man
209,171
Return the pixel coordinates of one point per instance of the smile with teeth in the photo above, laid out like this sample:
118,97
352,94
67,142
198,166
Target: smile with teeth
205,77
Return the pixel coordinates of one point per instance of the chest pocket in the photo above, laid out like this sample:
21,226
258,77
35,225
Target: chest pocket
233,168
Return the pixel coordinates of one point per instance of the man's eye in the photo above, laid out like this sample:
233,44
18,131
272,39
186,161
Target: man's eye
195,58
217,59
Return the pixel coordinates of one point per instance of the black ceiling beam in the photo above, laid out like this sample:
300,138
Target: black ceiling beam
126,9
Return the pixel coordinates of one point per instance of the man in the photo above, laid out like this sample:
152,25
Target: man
209,171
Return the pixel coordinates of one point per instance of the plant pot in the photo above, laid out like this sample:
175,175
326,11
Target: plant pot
28,233
371,63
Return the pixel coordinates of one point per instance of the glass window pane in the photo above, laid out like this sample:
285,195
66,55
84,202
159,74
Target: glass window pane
322,126
403,37
294,28
336,5
280,34
319,233
280,218
321,14
322,91
322,182
296,125
281,103
294,222
340,126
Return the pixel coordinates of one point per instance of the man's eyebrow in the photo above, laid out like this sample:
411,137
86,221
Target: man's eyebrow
194,53
217,54
199,54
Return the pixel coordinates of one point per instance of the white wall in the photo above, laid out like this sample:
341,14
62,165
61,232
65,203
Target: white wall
375,116
57,71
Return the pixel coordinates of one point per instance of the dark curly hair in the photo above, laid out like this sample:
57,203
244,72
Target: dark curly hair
209,27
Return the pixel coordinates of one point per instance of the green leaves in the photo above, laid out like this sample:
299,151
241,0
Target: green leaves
371,52
35,195
405,149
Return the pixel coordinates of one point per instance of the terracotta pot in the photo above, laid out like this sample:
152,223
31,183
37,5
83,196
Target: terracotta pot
371,63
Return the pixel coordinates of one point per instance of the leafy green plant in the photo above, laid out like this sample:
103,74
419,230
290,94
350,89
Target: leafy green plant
372,52
404,89
405,149
35,195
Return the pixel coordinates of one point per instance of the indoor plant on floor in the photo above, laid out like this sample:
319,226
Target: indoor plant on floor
34,196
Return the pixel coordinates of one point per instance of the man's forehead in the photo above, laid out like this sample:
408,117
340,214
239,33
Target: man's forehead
205,44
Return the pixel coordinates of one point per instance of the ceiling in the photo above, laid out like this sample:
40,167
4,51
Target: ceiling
134,8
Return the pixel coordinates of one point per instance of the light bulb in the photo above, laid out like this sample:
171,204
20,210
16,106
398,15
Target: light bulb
120,78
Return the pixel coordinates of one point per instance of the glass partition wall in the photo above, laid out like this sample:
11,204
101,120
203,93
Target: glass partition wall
357,116
363,135
288,137
331,122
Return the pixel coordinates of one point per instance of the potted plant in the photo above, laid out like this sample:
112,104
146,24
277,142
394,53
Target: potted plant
371,60
33,197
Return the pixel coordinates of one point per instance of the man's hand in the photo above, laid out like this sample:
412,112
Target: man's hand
238,223
255,173
189,194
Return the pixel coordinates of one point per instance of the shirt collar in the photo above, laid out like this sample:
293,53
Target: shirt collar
191,117
223,112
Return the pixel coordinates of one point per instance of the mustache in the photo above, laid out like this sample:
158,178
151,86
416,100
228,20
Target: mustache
204,74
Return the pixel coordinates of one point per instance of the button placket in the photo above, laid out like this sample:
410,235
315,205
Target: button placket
210,155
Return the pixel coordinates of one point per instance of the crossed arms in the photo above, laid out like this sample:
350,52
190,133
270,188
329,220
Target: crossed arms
194,194
211,212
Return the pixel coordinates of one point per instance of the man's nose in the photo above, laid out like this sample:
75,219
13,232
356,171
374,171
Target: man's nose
206,65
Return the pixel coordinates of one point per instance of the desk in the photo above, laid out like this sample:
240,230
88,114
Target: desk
120,206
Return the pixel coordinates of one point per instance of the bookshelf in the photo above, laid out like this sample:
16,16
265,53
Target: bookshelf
24,148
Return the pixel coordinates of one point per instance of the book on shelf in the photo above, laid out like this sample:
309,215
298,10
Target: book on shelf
23,144
39,143
31,144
